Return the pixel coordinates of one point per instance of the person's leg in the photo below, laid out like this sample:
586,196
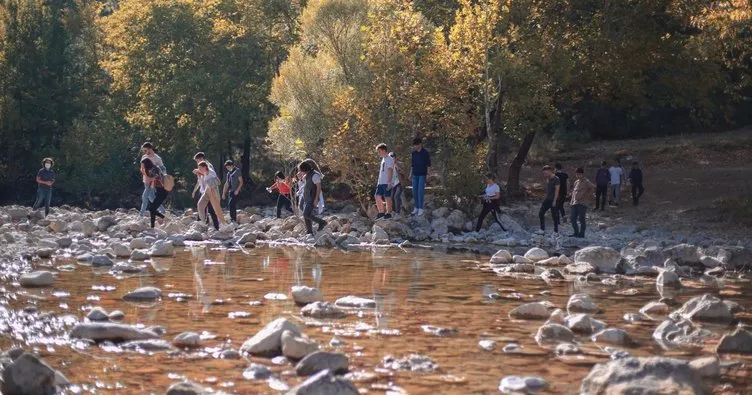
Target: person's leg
582,218
214,200
560,209
483,213
575,212
39,200
231,203
212,214
640,191
47,201
603,191
380,204
416,199
279,206
597,197
287,203
397,198
421,191
542,213
555,215
617,193
307,212
634,194
203,203
144,200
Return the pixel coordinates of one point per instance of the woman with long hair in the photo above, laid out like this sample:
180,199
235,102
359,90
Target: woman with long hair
211,192
154,178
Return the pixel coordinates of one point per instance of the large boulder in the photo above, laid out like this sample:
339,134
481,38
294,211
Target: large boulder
162,249
28,375
615,336
303,295
378,235
706,308
553,334
604,259
652,375
322,360
440,226
581,303
668,279
268,341
737,342
121,250
671,334
536,254
396,229
583,323
101,331
297,346
456,221
684,254
501,256
104,223
40,278
325,383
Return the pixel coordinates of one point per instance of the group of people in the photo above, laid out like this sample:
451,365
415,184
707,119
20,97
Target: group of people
206,193
608,181
389,188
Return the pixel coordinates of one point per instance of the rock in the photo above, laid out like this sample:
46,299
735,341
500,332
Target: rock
486,344
521,259
707,367
737,342
116,315
552,261
57,225
536,254
567,349
710,262
28,375
517,385
580,268
162,249
706,308
581,303
104,223
139,243
355,301
324,383
322,360
534,311
97,314
557,317
412,362
64,242
684,254
672,334
642,376
101,331
303,295
551,274
440,226
296,346
564,260
604,259
139,255
322,310
668,279
613,336
655,308
147,345
553,333
124,267
396,229
583,323
40,278
45,253
516,268
268,341
88,228
325,240
438,331
456,221
121,250
187,388
187,340
257,372
101,260
501,256
378,235
144,294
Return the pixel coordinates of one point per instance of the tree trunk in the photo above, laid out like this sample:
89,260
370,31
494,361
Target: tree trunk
513,182
495,140
246,159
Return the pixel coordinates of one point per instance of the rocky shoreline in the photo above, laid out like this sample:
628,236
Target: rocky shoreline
121,241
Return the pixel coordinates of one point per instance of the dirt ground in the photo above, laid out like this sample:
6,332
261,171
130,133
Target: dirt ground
685,177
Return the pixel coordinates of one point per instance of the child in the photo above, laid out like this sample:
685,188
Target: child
397,188
45,179
283,199
491,199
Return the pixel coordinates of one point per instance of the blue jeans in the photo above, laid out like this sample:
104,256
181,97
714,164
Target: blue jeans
148,196
419,191
44,196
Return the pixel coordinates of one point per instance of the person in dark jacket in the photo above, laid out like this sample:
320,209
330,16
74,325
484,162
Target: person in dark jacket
154,174
419,165
602,179
563,189
45,179
635,178
311,194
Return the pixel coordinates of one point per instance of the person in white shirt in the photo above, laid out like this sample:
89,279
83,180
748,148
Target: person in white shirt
385,183
200,188
149,192
491,200
617,174
209,192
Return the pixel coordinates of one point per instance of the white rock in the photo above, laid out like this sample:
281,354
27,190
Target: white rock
41,278
614,336
303,295
143,294
536,310
501,256
139,255
584,323
605,259
187,340
268,341
139,243
97,314
520,259
355,301
581,303
121,250
162,249
536,254
296,346
668,279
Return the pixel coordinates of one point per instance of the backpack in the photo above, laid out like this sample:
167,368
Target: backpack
168,182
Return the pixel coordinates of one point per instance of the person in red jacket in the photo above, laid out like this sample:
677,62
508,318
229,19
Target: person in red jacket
283,187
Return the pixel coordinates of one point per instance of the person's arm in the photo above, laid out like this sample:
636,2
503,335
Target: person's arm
226,187
318,195
240,185
556,194
195,189
40,181
389,177
428,165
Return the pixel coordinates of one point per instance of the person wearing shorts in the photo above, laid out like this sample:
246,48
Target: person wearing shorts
385,183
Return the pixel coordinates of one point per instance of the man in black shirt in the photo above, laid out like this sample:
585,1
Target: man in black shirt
635,178
563,188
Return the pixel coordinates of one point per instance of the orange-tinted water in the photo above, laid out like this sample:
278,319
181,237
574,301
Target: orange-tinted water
412,288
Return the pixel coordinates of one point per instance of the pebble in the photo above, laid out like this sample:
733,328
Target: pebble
488,345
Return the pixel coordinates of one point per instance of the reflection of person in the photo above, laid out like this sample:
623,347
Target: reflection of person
45,179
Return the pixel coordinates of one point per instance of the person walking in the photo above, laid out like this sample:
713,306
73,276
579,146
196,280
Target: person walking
491,201
148,195
310,197
420,163
635,179
397,188
210,193
602,178
198,158
582,188
233,185
563,189
154,174
553,185
385,183
616,173
45,179
284,198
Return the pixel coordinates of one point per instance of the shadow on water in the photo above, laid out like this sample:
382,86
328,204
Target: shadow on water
227,296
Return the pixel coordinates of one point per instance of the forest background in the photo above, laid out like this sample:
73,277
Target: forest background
270,82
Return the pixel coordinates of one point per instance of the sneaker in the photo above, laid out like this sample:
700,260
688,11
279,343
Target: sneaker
420,212
388,216
379,216
540,232
415,211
